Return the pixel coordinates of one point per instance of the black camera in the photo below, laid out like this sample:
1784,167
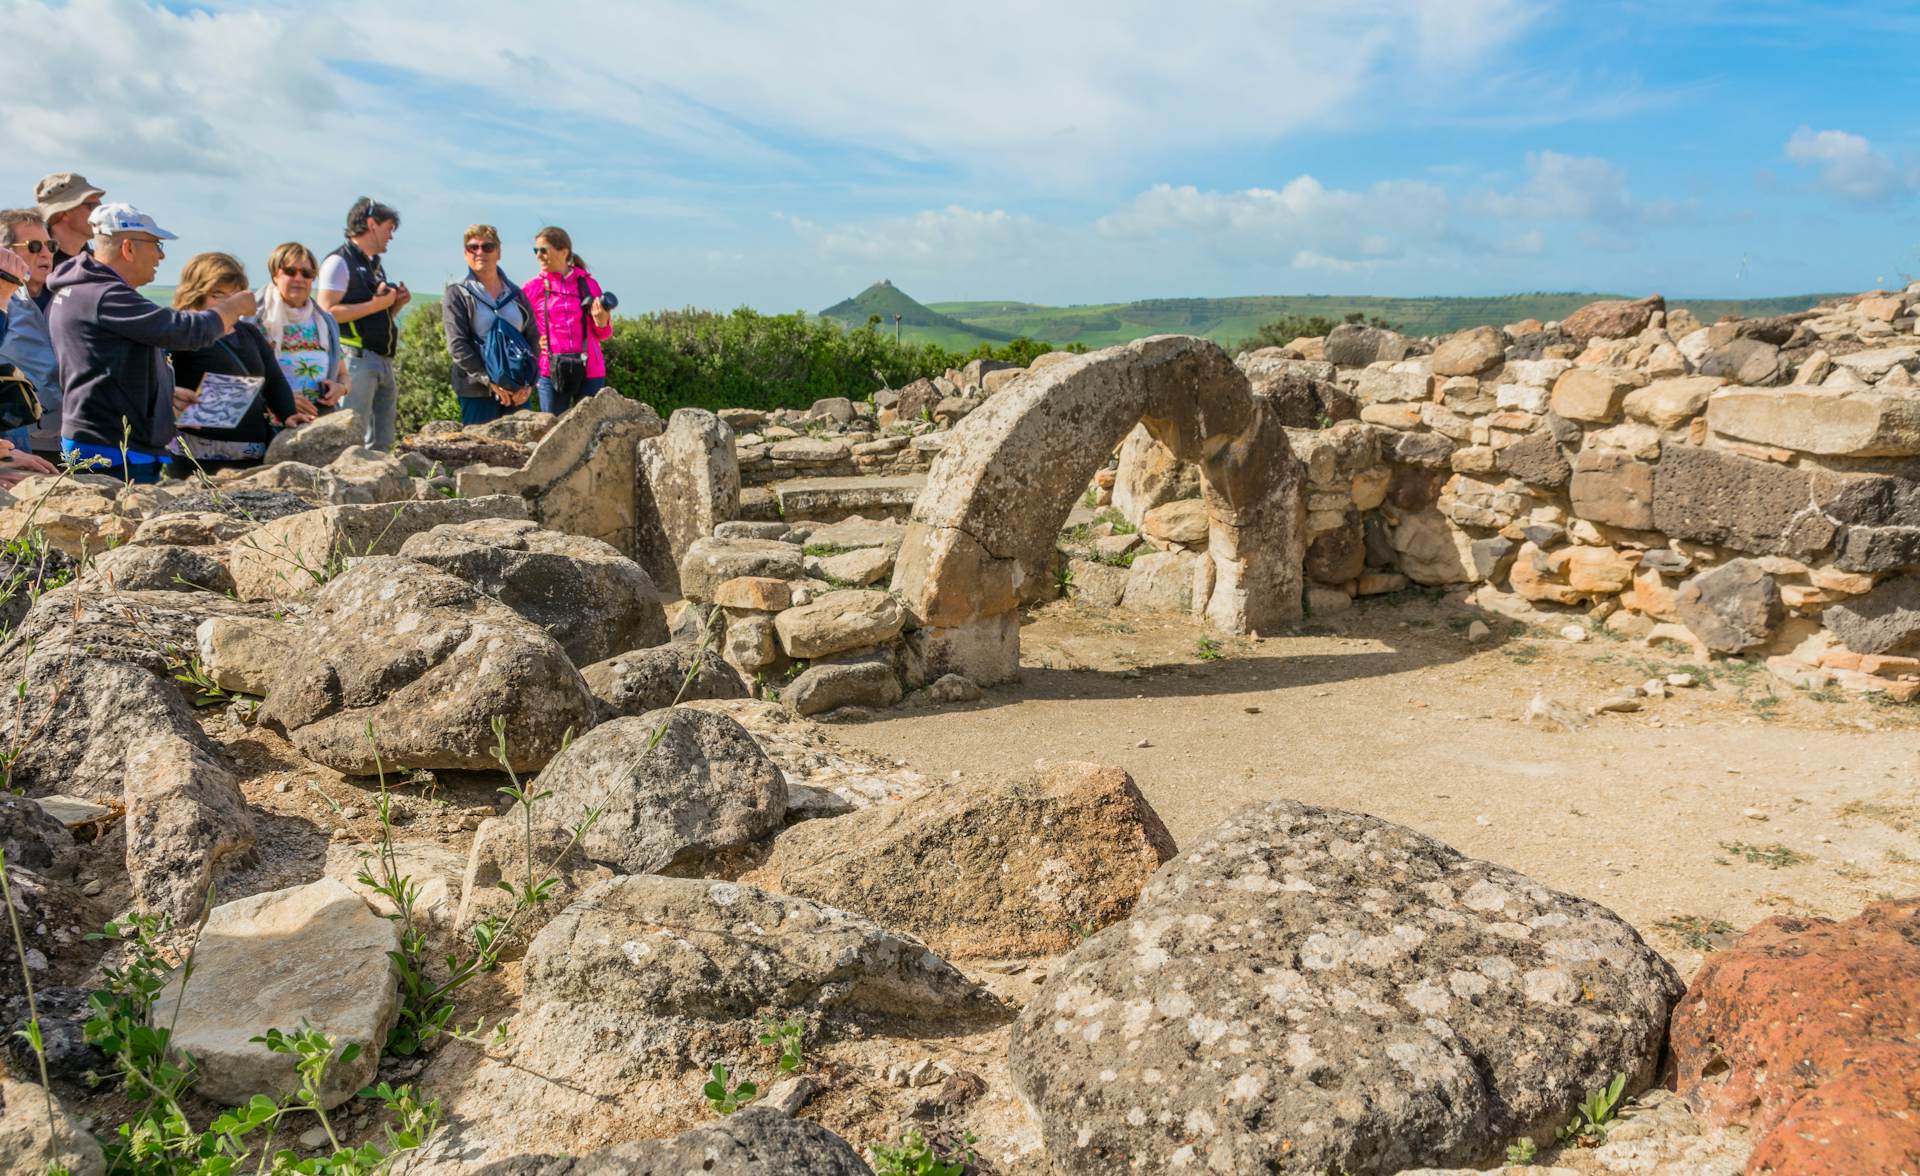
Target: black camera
607,300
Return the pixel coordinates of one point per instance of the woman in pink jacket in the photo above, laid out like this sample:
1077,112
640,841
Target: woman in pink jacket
571,322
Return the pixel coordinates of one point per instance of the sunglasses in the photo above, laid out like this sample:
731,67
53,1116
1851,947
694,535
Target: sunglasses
297,272
541,251
32,246
483,247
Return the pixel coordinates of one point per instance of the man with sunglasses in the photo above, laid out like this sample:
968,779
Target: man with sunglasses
29,342
353,288
112,344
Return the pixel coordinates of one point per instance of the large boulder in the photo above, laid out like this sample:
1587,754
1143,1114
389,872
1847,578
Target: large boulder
1310,990
1353,345
1806,1032
689,484
825,686
670,787
711,562
1763,507
582,476
185,815
756,1141
1732,607
1611,318
312,955
1885,620
430,662
1470,352
294,556
161,568
1827,421
643,972
591,599
1149,474
839,622
643,680
1020,865
319,441
1304,393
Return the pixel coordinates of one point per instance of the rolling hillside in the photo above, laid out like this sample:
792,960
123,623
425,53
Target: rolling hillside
1230,320
918,323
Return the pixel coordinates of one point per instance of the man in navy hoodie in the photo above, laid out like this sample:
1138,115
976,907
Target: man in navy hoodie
112,345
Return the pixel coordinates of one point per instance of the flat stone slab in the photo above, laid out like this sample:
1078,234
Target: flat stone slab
315,954
71,811
829,500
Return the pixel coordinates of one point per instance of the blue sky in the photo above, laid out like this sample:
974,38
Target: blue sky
719,153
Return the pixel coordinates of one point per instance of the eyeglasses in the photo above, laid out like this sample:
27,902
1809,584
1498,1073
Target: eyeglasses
158,245
541,251
31,246
483,246
296,272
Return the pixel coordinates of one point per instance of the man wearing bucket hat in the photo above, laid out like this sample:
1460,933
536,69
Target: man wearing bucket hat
66,202
112,344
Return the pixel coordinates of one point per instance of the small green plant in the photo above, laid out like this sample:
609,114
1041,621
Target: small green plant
825,550
1063,579
1208,649
1521,1152
1521,652
35,1041
914,1156
726,1096
1113,518
191,672
1774,857
1593,1116
1696,931
1092,496
789,1036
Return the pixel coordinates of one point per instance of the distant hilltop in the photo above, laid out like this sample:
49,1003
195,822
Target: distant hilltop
960,326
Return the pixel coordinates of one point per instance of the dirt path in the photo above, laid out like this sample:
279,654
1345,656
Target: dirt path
1717,806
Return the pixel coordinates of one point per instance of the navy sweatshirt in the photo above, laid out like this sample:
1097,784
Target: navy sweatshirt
112,345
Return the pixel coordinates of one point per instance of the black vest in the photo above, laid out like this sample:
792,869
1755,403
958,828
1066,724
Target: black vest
375,332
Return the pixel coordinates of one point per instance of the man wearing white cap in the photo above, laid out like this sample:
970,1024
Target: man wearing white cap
66,203
112,344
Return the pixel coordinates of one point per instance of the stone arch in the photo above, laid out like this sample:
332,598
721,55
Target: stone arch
1000,491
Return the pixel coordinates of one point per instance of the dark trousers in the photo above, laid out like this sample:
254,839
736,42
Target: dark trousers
478,410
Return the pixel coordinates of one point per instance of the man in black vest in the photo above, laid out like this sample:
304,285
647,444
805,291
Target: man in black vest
353,288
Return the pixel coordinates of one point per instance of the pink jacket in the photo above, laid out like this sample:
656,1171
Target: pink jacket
560,319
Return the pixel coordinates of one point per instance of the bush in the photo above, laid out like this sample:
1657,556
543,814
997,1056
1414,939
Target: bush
1288,327
703,359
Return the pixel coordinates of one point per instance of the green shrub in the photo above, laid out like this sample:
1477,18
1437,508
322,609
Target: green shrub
704,359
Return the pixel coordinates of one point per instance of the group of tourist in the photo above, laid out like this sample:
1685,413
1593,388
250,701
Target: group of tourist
94,373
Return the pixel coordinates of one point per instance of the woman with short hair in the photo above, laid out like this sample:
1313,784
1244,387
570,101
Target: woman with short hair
571,320
468,312
304,338
243,353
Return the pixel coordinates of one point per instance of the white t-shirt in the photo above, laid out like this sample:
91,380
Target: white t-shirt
333,274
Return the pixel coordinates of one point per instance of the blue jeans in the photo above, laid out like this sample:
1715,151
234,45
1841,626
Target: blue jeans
550,396
478,410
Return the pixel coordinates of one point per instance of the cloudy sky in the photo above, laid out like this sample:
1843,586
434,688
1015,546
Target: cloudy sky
782,155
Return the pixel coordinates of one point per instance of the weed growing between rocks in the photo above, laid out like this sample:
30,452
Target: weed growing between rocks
426,1005
1594,1115
1521,1153
914,1156
1208,649
789,1037
32,1032
724,1095
1696,931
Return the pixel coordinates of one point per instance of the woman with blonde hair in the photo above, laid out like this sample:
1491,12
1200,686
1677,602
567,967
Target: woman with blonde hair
490,333
244,353
572,318
304,338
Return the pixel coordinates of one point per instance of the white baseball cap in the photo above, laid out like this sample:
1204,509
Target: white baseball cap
109,219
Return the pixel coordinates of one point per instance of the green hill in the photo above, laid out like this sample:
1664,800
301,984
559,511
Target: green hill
1231,320
918,323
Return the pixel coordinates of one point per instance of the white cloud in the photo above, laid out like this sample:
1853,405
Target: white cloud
1317,226
1566,188
1849,166
1062,92
956,235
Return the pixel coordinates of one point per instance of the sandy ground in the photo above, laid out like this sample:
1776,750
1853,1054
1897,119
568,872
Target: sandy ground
1391,710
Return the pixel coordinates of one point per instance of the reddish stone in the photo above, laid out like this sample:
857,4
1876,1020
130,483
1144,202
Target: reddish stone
1807,1031
1611,319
